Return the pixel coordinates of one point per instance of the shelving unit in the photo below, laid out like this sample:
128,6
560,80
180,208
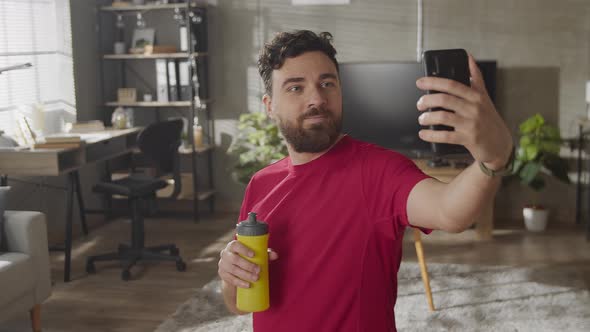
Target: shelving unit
152,56
198,104
153,103
134,8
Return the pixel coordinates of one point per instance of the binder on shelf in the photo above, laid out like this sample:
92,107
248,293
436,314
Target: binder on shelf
162,80
184,80
172,81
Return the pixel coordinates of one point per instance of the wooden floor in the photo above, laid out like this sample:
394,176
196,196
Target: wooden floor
102,302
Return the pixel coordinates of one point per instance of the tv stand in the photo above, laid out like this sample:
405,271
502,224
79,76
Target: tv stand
438,162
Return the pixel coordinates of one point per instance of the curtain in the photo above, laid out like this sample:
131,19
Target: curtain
39,32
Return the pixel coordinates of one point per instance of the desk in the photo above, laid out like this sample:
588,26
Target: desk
485,222
100,146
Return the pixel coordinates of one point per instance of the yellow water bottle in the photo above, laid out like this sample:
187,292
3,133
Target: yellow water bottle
254,235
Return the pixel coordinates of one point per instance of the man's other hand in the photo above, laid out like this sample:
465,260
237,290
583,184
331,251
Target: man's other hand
236,270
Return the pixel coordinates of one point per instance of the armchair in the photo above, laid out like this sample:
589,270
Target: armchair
24,268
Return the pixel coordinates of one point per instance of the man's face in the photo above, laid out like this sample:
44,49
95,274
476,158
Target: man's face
306,102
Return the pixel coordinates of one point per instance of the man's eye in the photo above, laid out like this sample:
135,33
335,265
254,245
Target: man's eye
294,88
328,84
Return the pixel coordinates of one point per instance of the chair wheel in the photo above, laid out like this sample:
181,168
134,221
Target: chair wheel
90,268
180,266
125,275
174,252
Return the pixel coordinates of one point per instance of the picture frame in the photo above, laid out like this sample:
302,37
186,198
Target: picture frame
143,37
126,95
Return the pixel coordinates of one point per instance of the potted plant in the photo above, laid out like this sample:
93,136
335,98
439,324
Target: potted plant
538,155
257,144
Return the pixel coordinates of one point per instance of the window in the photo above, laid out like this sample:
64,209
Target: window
39,32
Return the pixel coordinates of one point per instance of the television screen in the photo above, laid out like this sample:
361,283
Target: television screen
379,104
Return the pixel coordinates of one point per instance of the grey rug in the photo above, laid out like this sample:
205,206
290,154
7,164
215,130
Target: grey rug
467,298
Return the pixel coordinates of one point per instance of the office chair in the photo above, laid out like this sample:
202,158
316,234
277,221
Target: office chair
159,142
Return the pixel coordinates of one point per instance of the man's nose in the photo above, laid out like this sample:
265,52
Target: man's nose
316,98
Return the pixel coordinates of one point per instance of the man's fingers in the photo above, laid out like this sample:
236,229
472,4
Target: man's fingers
237,247
272,255
439,136
476,78
229,258
448,86
439,118
239,272
237,266
442,100
237,260
233,280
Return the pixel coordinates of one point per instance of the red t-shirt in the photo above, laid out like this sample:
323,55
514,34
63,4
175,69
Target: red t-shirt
337,223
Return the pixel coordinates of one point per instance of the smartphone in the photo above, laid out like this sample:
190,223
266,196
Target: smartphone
452,64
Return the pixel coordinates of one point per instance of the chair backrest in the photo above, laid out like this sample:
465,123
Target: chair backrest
160,141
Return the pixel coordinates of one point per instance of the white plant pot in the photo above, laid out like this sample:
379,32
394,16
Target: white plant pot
535,220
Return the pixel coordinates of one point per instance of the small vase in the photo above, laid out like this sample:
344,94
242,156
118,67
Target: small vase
535,219
119,118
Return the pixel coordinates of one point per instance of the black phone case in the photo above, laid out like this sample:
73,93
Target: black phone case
452,64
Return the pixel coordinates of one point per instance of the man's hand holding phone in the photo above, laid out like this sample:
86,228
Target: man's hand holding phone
477,125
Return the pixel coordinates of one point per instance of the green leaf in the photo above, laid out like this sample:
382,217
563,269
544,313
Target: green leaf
532,124
517,166
531,152
539,146
558,167
525,140
551,147
529,172
551,133
537,184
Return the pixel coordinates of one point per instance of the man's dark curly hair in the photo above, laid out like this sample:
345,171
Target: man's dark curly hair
289,45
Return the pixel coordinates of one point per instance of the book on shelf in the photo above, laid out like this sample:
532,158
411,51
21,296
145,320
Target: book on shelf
63,138
70,145
121,3
86,127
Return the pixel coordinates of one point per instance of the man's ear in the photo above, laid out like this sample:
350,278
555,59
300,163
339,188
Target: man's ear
267,100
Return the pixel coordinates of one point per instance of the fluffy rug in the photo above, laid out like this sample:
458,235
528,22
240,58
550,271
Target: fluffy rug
467,298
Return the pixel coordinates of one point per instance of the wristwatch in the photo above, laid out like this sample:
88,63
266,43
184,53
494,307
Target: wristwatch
506,170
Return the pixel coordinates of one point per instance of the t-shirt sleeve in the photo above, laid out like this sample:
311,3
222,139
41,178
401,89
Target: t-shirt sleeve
389,177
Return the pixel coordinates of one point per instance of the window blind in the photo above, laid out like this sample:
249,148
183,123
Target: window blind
39,32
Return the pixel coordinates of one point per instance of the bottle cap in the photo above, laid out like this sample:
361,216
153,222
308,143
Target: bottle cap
252,227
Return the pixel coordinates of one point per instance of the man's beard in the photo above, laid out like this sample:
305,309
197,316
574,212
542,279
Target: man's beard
316,138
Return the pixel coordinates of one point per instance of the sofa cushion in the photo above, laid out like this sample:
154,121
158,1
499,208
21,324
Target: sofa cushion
17,276
3,194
